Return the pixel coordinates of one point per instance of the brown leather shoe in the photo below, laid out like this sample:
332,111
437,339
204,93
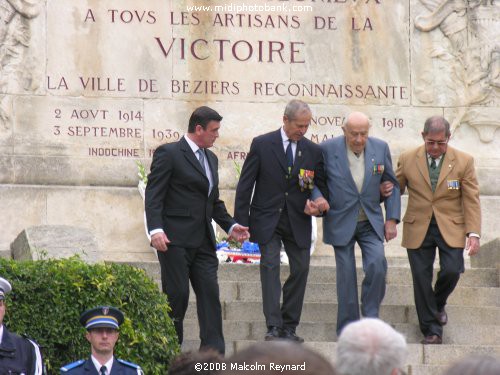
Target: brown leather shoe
442,317
432,340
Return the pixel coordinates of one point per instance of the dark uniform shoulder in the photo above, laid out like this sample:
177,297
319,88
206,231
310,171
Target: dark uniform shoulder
136,368
69,367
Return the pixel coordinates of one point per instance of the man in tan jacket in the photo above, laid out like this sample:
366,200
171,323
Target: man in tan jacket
444,212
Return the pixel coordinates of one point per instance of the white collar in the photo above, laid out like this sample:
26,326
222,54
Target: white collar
191,144
1,333
284,137
437,160
98,366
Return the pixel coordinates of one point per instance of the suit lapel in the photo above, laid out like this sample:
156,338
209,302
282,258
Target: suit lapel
343,163
213,168
446,166
422,166
89,366
300,156
191,157
279,152
369,163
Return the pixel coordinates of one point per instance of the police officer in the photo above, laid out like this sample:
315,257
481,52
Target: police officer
102,332
18,355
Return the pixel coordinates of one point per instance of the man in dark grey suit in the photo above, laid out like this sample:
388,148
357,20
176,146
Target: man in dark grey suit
283,167
356,167
182,197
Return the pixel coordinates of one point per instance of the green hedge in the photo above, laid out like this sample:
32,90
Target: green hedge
49,295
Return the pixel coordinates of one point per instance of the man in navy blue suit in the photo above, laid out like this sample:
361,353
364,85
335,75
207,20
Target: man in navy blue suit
357,167
281,169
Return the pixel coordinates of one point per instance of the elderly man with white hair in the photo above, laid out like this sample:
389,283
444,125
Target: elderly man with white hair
370,347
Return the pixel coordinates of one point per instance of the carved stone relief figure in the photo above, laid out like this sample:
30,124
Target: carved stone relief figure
473,30
15,36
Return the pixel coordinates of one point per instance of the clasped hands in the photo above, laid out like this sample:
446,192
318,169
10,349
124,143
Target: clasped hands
316,207
239,233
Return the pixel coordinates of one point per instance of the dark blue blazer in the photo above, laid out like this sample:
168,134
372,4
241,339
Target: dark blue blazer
266,170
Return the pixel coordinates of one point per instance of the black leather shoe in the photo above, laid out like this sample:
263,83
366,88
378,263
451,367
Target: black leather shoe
273,333
442,317
432,340
290,335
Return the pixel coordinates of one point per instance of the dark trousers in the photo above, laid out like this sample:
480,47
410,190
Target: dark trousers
179,265
295,285
429,301
373,286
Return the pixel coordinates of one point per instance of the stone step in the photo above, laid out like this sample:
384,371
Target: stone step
327,313
473,277
432,358
454,333
427,369
327,292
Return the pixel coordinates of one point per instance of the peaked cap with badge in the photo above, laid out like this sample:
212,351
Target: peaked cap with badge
102,317
5,288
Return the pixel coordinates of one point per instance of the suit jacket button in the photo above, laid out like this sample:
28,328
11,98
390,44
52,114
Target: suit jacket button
286,194
280,210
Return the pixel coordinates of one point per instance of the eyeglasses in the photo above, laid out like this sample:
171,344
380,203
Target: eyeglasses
436,143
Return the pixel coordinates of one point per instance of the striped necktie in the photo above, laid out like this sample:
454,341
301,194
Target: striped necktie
201,159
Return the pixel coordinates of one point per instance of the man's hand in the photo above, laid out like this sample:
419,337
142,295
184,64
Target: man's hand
322,204
386,189
472,245
390,230
239,233
160,241
311,208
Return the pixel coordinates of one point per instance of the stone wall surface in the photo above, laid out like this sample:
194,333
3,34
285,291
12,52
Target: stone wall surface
89,87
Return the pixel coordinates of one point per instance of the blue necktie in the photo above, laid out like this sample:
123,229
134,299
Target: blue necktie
103,370
289,155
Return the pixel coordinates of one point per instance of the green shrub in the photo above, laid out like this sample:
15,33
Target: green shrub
49,295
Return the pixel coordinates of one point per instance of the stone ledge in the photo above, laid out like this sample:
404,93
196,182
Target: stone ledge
55,241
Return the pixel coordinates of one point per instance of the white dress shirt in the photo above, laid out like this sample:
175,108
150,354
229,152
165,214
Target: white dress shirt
98,366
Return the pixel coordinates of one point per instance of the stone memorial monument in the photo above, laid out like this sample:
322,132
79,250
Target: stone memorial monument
89,88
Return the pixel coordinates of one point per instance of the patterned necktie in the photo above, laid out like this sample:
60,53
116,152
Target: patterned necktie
103,370
289,155
433,163
201,159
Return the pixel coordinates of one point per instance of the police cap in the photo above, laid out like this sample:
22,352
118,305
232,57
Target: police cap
102,316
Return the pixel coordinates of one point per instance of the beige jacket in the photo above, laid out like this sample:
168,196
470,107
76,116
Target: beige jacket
455,202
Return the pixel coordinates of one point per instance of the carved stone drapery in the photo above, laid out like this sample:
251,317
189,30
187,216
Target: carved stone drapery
473,30
15,36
